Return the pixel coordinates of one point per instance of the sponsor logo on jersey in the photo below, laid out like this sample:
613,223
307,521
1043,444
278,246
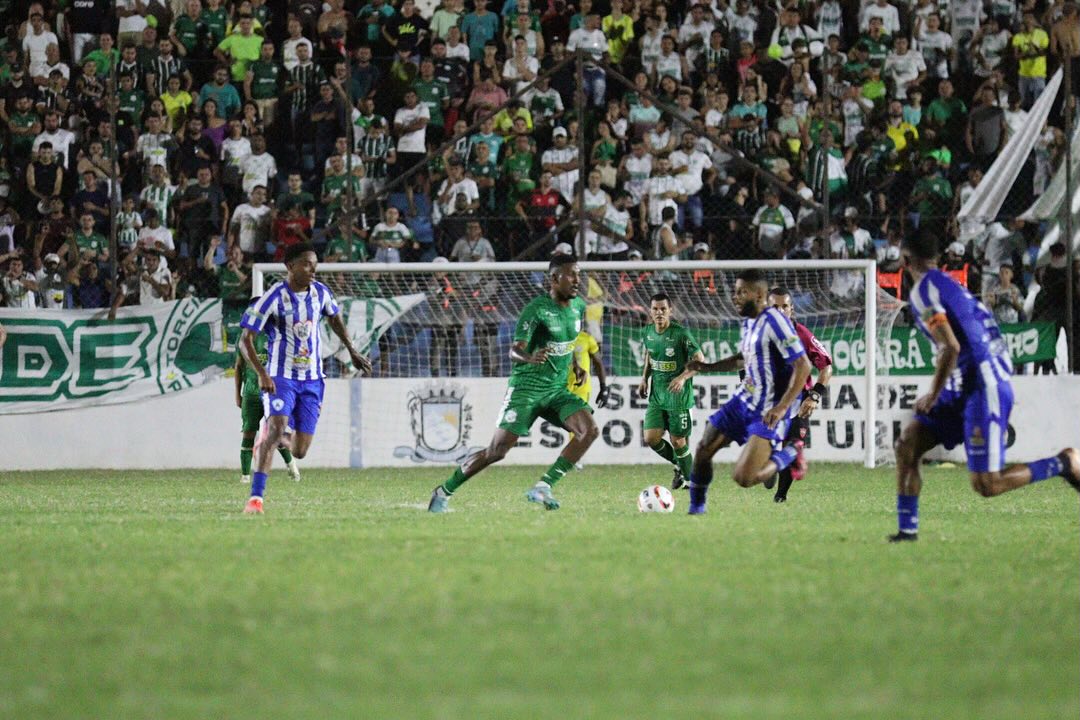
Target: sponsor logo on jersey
670,352
976,439
665,366
559,349
277,404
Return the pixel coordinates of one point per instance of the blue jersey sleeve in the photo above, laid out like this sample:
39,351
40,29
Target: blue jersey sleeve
259,313
328,302
783,336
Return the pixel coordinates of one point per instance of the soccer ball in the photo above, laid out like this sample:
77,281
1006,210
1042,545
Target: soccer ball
655,498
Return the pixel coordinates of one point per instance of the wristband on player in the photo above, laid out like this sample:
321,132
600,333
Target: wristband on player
819,389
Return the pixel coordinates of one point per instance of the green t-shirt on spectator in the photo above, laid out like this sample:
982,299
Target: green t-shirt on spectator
187,31
243,49
432,94
94,241
346,251
266,79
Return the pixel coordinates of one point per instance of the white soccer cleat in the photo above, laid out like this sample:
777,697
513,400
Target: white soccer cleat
294,470
246,479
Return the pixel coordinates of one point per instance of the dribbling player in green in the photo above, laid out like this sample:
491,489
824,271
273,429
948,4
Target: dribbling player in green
249,400
668,347
543,354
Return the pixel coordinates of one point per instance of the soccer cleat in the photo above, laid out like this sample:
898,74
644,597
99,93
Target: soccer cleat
439,500
771,482
903,537
1070,467
294,470
541,494
778,498
246,479
254,506
678,481
798,468
696,509
579,466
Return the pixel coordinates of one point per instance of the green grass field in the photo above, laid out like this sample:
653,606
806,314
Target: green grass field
148,595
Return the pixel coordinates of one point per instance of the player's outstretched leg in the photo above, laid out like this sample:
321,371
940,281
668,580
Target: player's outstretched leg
654,438
914,442
1065,464
701,474
501,442
758,462
582,425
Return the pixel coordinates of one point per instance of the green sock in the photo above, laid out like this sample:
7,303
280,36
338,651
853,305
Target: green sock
456,480
246,445
664,450
285,454
685,460
560,467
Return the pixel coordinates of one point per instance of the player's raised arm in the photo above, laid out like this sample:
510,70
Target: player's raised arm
948,350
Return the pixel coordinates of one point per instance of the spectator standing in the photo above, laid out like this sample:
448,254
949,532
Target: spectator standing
250,225
390,237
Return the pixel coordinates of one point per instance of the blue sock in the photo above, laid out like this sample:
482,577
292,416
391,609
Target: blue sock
699,485
784,457
258,484
907,512
1045,468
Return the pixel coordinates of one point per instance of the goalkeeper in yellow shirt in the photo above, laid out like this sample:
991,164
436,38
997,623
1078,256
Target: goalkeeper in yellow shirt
579,380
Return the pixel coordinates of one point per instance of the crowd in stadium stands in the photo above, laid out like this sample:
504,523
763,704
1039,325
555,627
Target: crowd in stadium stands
155,149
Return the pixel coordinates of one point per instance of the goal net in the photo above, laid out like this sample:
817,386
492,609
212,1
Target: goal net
439,336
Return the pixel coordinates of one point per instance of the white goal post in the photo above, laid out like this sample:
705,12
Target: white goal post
408,307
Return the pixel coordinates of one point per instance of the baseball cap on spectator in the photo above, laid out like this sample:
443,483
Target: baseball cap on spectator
850,212
440,260
634,255
51,258
956,248
563,249
558,131
701,247
806,193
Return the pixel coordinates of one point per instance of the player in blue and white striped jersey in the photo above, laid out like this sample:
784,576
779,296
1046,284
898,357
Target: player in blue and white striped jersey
292,380
970,397
757,416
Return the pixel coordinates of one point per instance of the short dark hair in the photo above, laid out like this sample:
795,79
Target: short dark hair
751,275
660,297
779,290
294,251
561,261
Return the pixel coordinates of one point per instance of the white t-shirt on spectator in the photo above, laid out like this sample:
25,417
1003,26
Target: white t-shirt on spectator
655,188
254,226
149,237
890,18
16,294
696,161
61,142
461,50
902,69
412,142
510,71
564,182
258,170
45,70
593,43
133,23
937,66
639,169
466,186
233,151
51,286
861,240
148,294
34,46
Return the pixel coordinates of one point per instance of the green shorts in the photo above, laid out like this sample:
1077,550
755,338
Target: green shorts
520,408
676,422
251,413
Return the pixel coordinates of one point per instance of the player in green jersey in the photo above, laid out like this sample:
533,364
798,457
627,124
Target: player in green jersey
249,400
668,348
543,353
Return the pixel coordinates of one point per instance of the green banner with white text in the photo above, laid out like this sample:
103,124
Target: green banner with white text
910,353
